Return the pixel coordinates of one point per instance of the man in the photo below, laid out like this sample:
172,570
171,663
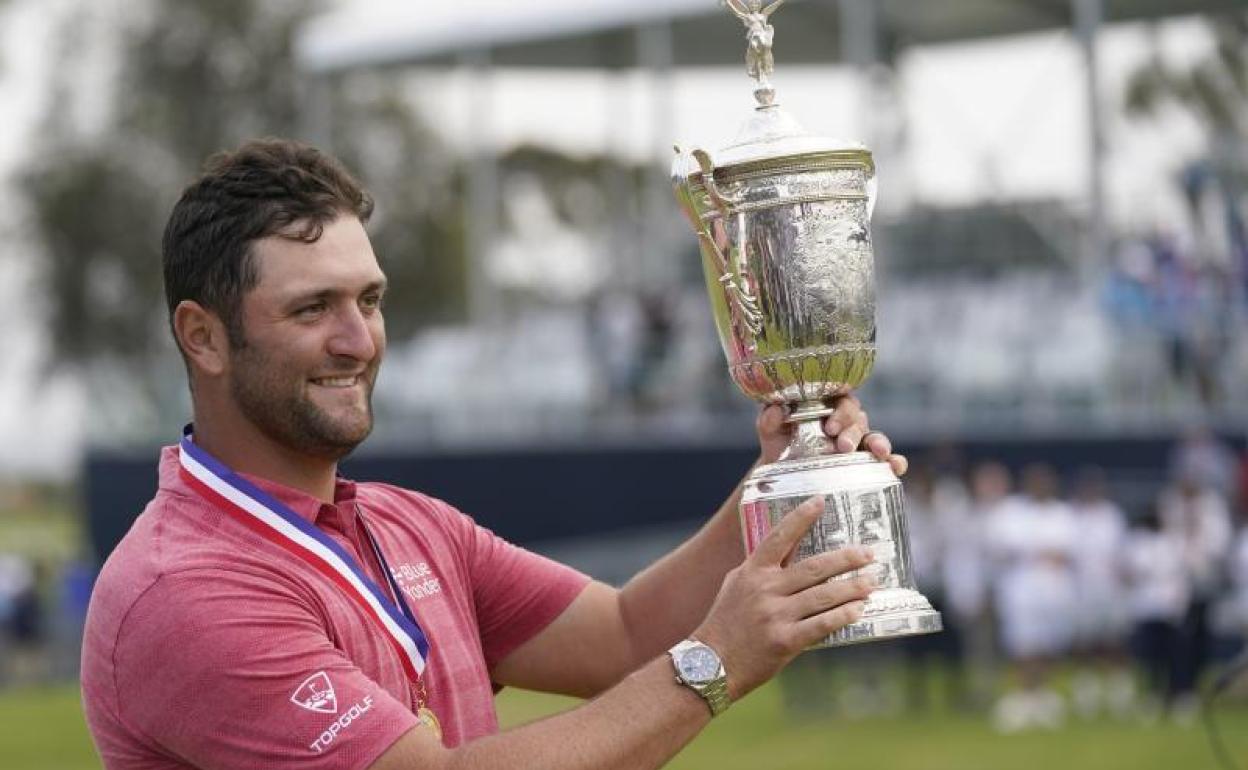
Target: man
263,611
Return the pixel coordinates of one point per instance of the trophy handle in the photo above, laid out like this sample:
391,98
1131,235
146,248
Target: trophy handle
707,167
739,297
731,272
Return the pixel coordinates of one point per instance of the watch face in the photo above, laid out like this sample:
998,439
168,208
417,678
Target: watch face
698,665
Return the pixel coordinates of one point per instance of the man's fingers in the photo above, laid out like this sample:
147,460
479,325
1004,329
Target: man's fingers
817,627
847,424
775,548
846,412
878,445
824,596
850,439
899,464
850,429
771,420
773,432
817,569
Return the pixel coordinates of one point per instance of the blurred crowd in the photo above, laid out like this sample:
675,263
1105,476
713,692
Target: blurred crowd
43,605
1178,298
1180,306
1127,606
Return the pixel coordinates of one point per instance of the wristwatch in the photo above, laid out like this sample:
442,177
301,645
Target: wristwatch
699,668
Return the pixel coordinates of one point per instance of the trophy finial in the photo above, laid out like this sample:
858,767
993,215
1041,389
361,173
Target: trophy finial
758,34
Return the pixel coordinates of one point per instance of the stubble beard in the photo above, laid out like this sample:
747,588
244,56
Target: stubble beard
288,416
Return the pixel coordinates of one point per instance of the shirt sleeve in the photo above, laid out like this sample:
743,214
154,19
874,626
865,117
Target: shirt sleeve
517,593
252,680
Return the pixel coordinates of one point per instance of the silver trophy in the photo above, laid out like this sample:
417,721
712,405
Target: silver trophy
783,224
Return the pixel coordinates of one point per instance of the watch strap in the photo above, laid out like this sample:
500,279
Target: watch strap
716,695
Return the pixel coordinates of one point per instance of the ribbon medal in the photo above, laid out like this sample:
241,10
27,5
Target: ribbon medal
277,523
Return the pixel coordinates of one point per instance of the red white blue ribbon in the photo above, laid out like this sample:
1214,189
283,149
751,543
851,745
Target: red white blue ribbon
277,523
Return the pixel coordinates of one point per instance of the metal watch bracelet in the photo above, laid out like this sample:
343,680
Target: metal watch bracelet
716,696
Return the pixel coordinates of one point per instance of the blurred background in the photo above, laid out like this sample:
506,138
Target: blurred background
1062,253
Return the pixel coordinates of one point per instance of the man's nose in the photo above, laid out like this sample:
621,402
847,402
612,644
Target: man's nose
353,335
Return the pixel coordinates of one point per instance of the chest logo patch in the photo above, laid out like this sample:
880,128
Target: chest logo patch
417,581
316,694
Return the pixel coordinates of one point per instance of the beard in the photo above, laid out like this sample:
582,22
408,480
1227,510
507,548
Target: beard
276,401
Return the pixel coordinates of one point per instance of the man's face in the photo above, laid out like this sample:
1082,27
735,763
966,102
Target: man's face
314,339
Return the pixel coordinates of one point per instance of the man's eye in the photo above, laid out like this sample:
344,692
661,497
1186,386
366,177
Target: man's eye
314,309
373,301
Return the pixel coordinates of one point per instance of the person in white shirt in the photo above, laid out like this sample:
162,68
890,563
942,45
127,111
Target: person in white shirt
1101,621
1033,542
1156,600
1198,517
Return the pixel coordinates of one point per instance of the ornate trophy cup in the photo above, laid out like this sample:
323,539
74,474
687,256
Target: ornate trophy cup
783,223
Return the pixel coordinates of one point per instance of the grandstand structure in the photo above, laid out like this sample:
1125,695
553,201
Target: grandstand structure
994,318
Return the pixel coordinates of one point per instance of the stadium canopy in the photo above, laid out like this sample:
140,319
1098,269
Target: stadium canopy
604,33
662,35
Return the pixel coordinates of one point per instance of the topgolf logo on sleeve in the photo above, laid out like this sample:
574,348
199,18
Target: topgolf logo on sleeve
316,694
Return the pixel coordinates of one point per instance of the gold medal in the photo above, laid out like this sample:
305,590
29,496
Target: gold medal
430,720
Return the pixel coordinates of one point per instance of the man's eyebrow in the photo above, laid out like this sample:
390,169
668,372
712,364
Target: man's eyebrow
329,292
309,295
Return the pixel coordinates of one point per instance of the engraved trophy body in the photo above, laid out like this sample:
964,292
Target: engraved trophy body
783,224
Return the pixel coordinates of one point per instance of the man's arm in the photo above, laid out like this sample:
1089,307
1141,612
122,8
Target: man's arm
765,613
606,633
640,723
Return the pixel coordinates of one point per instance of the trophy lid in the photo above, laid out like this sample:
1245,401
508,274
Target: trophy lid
771,137
772,134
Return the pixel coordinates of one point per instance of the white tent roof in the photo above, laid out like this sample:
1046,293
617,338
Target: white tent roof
600,33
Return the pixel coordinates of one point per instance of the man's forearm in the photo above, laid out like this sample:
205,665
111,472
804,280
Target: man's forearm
666,601
640,723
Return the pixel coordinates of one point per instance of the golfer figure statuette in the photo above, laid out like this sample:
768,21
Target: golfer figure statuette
783,225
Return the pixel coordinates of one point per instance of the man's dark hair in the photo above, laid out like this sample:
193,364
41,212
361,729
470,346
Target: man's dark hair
265,187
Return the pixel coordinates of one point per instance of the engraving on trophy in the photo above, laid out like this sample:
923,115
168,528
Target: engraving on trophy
869,523
857,632
894,504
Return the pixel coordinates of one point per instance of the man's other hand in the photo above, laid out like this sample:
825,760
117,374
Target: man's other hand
771,608
847,426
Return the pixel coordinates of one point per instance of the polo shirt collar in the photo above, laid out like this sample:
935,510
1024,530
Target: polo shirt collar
307,506
303,504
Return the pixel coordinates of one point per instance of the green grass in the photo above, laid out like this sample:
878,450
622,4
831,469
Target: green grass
759,734
42,729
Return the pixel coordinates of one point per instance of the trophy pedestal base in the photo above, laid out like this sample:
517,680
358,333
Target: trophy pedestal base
863,505
883,618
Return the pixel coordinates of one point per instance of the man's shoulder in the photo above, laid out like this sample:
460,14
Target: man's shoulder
400,502
177,542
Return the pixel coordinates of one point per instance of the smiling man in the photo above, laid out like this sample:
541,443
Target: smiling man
265,612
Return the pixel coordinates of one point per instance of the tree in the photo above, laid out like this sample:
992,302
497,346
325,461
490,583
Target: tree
1214,88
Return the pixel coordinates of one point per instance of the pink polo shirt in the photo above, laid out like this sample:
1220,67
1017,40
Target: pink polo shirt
208,646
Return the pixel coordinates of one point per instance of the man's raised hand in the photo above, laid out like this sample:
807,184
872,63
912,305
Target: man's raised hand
847,426
770,608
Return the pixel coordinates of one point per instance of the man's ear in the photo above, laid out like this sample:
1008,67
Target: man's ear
202,337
